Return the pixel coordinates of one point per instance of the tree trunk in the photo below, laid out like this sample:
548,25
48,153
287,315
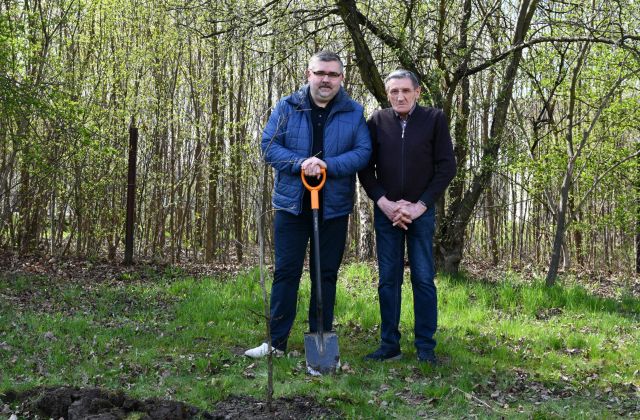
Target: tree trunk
25,200
451,231
514,221
131,194
461,149
637,161
560,227
79,208
368,70
572,155
236,160
52,216
214,163
491,216
195,75
365,241
577,234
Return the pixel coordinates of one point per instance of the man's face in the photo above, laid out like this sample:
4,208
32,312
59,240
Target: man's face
402,95
324,80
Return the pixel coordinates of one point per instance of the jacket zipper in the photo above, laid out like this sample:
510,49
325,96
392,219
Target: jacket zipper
324,132
324,129
310,124
404,125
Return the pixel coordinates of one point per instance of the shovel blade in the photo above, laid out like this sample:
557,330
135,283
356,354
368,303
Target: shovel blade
323,354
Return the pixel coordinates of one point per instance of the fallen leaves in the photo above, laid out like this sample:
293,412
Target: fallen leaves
346,368
547,313
49,336
249,372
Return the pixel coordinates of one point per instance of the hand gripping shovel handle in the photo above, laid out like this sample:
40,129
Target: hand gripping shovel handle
315,206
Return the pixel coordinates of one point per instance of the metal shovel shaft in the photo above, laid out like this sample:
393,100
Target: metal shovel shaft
319,317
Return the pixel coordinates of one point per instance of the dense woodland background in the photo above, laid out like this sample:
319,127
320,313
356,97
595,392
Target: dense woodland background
542,98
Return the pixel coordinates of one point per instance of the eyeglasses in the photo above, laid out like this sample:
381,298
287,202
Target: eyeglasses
331,74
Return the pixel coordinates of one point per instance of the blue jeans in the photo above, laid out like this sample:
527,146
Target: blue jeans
390,244
292,234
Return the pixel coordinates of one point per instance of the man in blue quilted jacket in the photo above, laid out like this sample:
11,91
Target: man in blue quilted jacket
319,126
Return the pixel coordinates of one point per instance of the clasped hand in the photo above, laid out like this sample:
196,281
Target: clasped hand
401,212
312,167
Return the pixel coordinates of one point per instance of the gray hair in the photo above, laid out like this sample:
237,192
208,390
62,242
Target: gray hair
402,74
326,56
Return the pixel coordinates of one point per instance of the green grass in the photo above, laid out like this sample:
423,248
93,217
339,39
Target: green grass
510,350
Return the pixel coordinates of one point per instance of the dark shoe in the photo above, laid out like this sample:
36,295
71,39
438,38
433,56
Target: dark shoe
382,354
427,356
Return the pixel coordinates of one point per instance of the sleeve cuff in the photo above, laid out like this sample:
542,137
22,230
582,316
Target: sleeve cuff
426,199
377,194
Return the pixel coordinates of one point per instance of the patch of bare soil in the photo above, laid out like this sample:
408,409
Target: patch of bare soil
82,270
298,407
602,283
621,399
98,404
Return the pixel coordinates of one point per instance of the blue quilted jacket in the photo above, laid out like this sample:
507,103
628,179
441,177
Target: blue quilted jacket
286,143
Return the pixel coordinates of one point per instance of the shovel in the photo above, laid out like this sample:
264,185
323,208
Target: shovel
321,348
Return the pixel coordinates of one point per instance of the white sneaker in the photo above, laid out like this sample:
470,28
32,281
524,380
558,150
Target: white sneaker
261,351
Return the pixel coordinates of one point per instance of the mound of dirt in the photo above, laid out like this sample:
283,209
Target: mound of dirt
98,404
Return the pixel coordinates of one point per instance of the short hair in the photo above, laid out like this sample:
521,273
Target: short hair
326,56
402,74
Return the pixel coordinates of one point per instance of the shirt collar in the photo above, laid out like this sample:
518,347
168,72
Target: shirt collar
314,106
410,111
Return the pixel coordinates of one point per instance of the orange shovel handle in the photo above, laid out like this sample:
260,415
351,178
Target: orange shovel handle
315,202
